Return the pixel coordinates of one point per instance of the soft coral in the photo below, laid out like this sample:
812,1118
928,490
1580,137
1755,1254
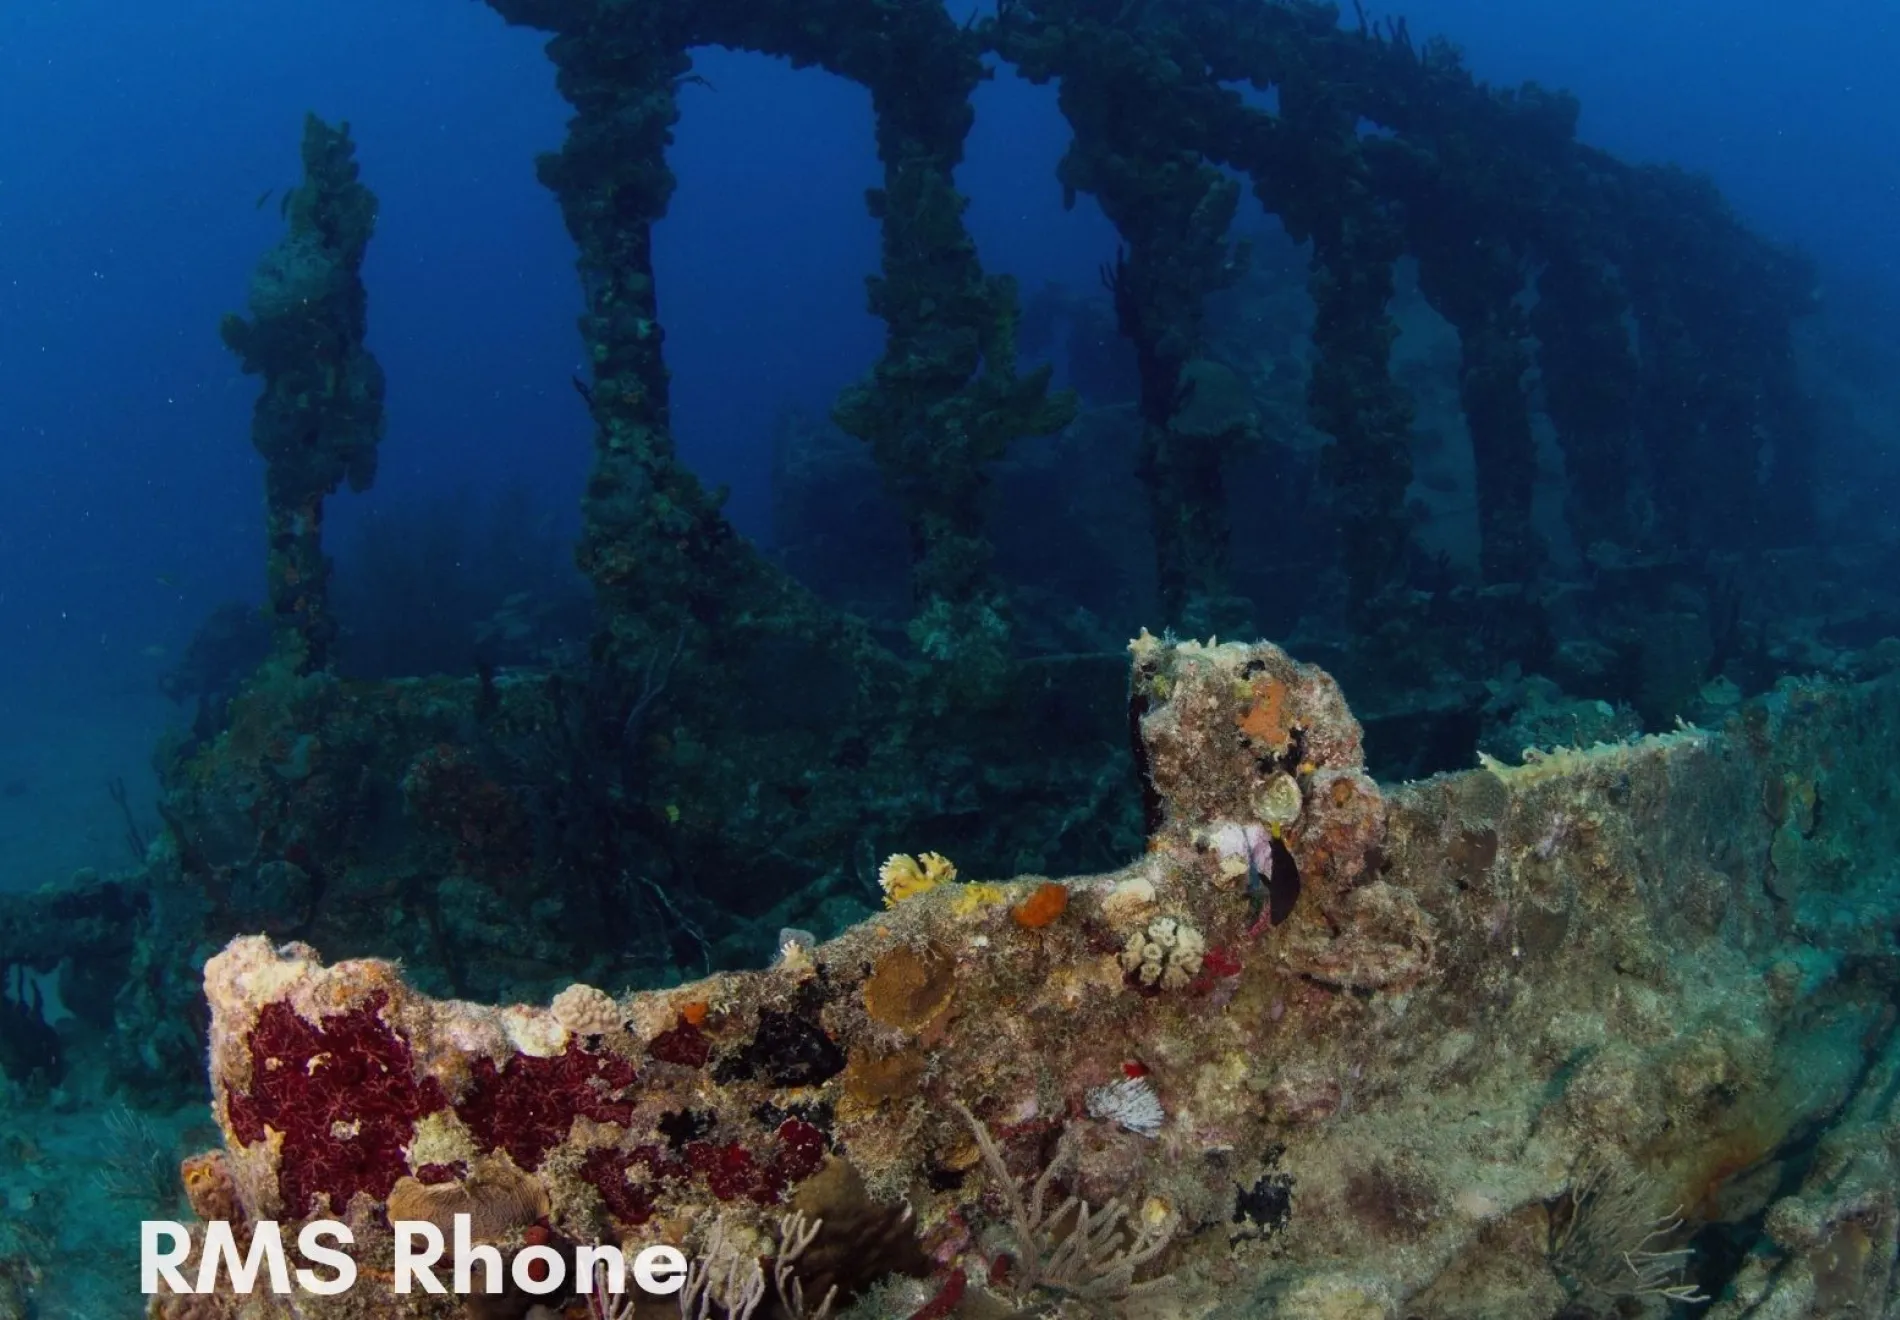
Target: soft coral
344,1094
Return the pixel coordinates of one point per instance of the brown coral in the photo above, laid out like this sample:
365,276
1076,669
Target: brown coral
209,1187
872,1079
859,1241
908,987
496,1196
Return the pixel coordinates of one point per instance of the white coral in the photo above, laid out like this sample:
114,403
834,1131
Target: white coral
583,1010
1168,953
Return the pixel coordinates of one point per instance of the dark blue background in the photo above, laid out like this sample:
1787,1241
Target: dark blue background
138,134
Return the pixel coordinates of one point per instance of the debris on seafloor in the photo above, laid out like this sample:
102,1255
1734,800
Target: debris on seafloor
1523,1039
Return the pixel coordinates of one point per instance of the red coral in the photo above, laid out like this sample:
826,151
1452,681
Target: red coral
948,1298
685,1045
659,1164
527,1107
730,1172
537,1235
345,1096
1219,963
606,1171
1216,966
733,1173
801,1150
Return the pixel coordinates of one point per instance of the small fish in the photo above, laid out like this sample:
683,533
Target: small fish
1272,890
167,580
154,652
263,197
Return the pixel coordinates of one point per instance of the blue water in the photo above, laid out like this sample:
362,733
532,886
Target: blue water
139,136
145,146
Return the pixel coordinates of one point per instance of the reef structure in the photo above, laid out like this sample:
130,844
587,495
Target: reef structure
1612,1027
320,417
1365,143
493,830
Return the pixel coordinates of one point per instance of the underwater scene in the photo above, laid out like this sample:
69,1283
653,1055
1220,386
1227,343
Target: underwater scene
972,660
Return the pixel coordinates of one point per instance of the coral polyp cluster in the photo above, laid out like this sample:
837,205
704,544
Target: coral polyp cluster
1168,953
